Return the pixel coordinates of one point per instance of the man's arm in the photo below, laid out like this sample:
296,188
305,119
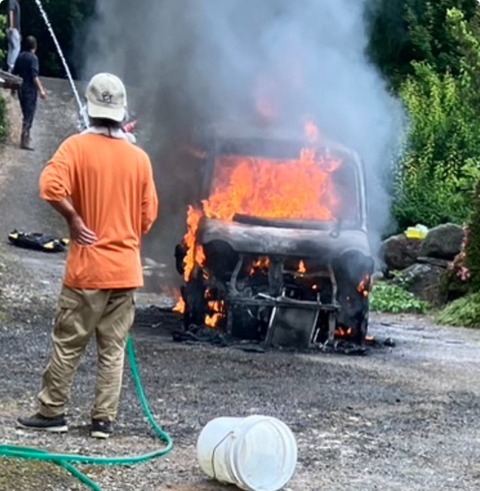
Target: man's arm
149,201
40,88
36,78
11,18
79,232
56,186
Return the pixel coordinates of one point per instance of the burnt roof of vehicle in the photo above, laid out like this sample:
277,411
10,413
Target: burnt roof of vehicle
235,132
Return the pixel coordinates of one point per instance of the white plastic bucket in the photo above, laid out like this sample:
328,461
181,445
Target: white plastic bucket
258,453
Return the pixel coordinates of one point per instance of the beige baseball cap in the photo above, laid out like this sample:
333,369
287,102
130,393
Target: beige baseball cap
106,97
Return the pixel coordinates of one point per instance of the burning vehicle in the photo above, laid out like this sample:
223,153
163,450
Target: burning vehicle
276,248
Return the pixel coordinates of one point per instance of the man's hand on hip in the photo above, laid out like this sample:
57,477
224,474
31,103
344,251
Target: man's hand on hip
80,233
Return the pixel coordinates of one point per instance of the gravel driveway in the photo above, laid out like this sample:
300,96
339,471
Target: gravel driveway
403,418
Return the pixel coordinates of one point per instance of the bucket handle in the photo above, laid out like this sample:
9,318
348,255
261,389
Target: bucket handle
216,448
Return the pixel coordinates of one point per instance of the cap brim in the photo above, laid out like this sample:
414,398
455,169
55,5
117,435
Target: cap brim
97,111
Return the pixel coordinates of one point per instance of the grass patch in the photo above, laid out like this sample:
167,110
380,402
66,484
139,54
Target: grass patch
395,300
463,312
21,475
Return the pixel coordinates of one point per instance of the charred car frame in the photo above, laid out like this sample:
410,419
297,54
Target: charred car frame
287,282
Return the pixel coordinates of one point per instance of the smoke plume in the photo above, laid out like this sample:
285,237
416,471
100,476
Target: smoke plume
194,62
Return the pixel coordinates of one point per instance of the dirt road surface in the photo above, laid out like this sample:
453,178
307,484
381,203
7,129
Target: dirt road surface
404,418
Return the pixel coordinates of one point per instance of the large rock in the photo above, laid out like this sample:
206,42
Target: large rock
443,242
399,252
425,281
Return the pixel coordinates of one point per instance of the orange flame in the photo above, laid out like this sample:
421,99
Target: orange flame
213,320
217,312
267,188
259,264
194,252
343,332
364,286
180,307
299,189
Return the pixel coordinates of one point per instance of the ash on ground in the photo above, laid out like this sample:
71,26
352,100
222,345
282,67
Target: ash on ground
166,321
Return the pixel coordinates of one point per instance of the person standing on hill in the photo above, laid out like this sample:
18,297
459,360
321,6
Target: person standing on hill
13,33
27,67
103,186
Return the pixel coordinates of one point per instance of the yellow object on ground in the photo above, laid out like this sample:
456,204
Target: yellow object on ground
418,232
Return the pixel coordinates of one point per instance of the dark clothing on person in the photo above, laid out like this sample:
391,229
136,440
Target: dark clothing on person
27,67
28,104
14,6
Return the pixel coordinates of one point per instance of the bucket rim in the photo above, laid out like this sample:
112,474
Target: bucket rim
290,449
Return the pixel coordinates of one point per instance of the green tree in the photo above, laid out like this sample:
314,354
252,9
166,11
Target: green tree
3,37
473,245
69,19
406,31
441,162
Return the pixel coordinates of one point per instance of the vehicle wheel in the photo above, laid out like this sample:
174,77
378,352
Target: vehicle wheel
193,294
361,323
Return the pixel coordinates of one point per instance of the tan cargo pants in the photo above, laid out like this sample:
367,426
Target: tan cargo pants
107,315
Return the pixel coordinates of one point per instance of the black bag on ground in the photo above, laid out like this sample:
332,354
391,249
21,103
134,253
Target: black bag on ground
37,241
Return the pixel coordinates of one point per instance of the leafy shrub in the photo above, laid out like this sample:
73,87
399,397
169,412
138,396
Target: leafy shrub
463,312
394,299
436,177
472,259
403,31
3,36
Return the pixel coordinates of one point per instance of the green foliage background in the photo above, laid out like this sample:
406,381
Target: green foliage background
407,31
69,19
395,299
473,245
430,53
429,50
463,312
436,176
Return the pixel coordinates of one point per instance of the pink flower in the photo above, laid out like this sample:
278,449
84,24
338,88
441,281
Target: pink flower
464,273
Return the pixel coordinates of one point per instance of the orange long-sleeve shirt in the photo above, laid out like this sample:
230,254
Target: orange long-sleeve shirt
110,184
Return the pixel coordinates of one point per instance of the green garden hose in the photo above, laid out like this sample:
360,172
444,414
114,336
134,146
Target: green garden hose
66,460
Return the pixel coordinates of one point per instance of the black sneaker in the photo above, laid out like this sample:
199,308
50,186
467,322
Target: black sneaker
101,428
41,423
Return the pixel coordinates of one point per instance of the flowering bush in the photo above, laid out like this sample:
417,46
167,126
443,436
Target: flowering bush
458,266
456,280
463,277
472,250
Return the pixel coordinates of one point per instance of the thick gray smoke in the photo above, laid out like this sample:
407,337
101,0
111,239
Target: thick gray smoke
193,62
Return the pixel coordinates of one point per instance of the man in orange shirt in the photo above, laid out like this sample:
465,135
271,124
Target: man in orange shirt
103,186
